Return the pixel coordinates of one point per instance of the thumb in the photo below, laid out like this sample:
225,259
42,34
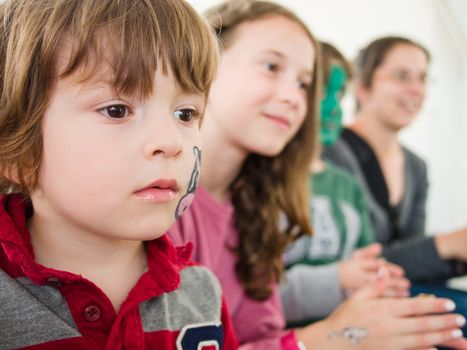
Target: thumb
375,288
370,251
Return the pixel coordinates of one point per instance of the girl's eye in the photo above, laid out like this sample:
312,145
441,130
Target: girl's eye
303,85
186,115
115,111
272,67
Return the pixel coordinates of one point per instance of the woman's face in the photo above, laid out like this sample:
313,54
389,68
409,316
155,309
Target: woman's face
259,98
398,87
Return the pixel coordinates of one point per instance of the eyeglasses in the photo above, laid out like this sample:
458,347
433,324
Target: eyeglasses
403,77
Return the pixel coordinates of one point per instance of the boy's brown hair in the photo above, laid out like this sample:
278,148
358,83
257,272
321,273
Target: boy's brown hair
332,56
268,187
129,39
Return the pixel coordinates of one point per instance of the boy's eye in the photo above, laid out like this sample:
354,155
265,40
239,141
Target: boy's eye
186,114
115,111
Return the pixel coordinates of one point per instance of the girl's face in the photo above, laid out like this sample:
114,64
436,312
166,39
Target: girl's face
259,98
398,88
114,165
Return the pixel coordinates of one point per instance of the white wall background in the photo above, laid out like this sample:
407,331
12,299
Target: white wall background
439,134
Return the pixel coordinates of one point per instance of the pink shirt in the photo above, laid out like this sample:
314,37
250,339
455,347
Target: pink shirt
210,226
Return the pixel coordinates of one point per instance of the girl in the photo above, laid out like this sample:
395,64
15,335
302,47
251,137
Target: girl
257,150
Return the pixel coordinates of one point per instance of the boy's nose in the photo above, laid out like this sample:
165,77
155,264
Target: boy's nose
163,138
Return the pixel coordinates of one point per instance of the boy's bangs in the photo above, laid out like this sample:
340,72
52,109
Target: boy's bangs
143,36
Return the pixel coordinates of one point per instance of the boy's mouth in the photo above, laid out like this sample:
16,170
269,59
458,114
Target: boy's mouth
161,190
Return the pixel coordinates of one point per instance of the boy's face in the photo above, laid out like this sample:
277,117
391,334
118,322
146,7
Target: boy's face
114,165
331,110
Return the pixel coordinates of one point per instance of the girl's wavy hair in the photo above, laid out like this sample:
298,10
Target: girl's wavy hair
126,39
270,194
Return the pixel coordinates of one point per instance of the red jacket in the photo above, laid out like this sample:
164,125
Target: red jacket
174,305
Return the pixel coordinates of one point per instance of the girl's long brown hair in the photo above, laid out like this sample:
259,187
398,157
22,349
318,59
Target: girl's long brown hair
270,194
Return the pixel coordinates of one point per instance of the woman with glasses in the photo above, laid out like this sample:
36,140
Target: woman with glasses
390,90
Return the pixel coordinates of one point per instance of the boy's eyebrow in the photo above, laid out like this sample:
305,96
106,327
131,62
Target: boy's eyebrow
86,88
93,88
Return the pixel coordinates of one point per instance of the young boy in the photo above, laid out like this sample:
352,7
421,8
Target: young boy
99,133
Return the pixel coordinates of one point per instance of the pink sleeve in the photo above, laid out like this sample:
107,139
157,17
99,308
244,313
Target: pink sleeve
289,341
260,325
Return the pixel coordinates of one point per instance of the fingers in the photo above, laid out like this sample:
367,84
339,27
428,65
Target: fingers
420,306
368,256
396,293
398,287
395,270
422,324
371,265
370,251
398,283
375,288
460,343
429,339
